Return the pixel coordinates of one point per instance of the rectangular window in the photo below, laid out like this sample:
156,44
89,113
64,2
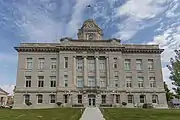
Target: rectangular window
102,81
80,83
53,60
139,64
40,98
117,98
150,64
26,98
142,98
28,81
91,81
65,80
140,82
127,64
53,99
91,64
29,63
154,99
115,63
152,82
103,97
130,98
129,81
65,99
79,64
41,63
53,81
79,98
116,79
102,64
65,62
41,81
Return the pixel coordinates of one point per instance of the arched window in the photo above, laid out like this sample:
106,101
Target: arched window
26,98
39,98
154,99
142,98
130,98
52,98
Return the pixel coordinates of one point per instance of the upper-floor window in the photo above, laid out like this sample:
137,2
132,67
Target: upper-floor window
102,81
127,64
41,81
152,82
41,63
79,64
65,62
150,64
102,63
80,81
91,64
115,63
65,80
39,98
140,82
129,81
139,64
53,81
29,63
53,65
91,81
28,81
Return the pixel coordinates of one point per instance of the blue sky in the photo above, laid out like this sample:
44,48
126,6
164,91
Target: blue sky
132,21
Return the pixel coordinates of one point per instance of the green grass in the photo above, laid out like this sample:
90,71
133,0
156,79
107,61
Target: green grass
140,114
41,114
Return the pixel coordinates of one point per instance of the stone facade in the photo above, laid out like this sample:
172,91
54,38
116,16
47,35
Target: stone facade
88,71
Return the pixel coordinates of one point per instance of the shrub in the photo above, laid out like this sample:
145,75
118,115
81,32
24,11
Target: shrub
147,106
28,103
124,103
77,105
59,103
105,105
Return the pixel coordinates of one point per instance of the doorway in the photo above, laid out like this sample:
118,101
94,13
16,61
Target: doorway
92,100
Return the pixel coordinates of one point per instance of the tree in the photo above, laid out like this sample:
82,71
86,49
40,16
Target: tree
169,95
175,72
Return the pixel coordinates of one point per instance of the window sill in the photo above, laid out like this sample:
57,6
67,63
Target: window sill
140,71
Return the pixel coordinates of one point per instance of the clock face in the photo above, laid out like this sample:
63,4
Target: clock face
90,36
90,25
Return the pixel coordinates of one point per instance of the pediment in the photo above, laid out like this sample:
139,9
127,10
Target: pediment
2,92
90,24
115,43
66,42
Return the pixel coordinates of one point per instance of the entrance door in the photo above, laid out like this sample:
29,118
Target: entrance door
92,100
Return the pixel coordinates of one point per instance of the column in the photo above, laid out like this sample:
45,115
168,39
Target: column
114,99
107,71
97,71
85,71
74,71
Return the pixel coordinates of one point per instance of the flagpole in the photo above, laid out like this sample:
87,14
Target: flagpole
89,10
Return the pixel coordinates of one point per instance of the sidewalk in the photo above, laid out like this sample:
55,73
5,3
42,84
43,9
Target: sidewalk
92,113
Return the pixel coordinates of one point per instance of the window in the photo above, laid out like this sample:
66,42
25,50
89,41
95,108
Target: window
40,99
117,98
65,62
150,64
53,66
102,64
79,64
103,99
65,99
140,82
53,81
79,98
138,64
41,81
127,64
52,98
130,98
41,63
102,81
154,99
26,98
91,64
91,81
142,98
129,81
116,79
28,81
115,63
65,80
152,82
29,63
80,83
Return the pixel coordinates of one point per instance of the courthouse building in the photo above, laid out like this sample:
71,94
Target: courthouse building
88,71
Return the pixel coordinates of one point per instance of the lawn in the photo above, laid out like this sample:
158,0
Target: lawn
41,114
140,114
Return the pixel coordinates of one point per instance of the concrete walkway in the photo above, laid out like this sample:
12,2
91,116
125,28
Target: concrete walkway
92,113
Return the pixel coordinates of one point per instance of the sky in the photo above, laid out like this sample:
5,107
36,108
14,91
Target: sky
132,21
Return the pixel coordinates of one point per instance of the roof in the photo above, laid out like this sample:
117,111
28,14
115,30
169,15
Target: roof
3,92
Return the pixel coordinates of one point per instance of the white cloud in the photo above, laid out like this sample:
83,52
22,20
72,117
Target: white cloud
166,74
8,88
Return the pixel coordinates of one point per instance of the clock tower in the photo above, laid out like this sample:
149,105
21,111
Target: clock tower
90,31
